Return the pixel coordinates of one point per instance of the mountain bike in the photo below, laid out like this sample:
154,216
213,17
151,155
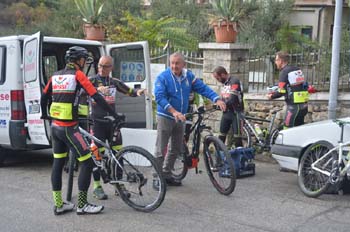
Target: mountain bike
255,134
132,166
324,165
217,160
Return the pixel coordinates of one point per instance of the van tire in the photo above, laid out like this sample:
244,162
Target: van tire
2,156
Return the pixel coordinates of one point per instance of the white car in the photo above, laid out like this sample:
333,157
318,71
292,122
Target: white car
291,144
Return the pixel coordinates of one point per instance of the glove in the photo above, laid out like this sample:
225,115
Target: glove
311,89
45,117
119,117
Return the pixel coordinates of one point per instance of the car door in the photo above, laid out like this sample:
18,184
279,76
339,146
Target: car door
132,66
32,86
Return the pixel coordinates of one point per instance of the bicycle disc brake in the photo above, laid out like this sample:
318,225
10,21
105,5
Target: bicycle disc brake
334,176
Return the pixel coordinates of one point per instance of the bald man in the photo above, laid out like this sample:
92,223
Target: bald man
107,87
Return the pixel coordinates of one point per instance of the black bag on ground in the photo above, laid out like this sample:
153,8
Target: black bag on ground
243,159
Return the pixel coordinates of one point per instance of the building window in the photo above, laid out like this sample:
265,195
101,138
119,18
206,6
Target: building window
307,32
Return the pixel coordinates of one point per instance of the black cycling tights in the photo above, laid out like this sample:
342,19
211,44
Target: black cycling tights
84,174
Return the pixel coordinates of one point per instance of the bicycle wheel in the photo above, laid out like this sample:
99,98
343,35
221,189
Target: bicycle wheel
71,168
312,182
219,165
136,181
180,169
246,137
273,136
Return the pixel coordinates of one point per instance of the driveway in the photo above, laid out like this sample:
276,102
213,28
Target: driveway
269,201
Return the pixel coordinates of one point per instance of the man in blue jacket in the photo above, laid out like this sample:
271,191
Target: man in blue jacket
172,91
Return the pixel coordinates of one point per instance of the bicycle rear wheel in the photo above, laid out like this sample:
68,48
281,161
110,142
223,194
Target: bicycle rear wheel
136,181
71,168
219,165
180,169
273,136
246,137
312,182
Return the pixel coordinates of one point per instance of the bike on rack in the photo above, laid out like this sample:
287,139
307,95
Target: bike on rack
132,166
217,160
324,165
254,134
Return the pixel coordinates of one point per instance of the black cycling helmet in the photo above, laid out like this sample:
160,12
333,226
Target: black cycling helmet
75,53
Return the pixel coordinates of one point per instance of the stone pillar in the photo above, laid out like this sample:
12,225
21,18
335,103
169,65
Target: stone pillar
232,56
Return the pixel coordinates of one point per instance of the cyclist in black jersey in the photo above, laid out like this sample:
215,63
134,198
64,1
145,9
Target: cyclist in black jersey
294,88
232,95
107,87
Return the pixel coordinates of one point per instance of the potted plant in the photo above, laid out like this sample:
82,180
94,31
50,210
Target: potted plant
226,16
91,13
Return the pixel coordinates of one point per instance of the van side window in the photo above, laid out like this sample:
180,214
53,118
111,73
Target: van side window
129,63
49,67
2,64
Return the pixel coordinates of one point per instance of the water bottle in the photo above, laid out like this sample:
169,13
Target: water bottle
258,129
95,152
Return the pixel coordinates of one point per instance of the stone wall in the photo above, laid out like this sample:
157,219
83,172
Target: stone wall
257,105
318,106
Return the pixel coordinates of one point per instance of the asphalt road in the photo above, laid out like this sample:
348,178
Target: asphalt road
269,201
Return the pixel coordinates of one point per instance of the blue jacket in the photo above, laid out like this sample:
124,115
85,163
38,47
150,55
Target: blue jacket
173,91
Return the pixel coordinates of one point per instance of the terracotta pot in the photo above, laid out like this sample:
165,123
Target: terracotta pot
226,32
94,32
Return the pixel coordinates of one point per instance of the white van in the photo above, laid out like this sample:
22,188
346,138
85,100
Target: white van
26,64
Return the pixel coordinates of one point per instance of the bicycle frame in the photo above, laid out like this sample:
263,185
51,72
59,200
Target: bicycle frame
107,147
261,141
198,128
341,157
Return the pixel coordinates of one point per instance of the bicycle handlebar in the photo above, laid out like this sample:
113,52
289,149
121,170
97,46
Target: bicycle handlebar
340,122
201,110
119,121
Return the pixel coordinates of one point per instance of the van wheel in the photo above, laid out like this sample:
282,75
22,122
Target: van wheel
2,156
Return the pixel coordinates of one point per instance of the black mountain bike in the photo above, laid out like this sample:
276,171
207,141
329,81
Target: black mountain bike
132,166
218,162
262,137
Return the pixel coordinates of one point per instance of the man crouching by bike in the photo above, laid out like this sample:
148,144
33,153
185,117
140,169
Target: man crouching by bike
232,95
62,93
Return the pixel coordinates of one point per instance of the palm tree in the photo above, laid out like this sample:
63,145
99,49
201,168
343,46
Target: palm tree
156,31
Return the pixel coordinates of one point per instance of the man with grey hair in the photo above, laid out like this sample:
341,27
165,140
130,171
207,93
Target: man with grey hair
172,90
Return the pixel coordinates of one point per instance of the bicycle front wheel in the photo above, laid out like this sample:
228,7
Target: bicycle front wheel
219,165
180,169
140,182
312,182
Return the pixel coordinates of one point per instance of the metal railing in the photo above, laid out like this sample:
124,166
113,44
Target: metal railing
261,70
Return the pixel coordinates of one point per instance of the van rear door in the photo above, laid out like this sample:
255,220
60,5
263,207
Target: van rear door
132,66
32,79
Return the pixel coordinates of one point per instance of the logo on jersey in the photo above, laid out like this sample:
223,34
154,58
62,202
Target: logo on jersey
296,77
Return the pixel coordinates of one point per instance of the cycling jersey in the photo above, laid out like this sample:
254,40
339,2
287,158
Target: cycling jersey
114,85
232,94
292,86
64,87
